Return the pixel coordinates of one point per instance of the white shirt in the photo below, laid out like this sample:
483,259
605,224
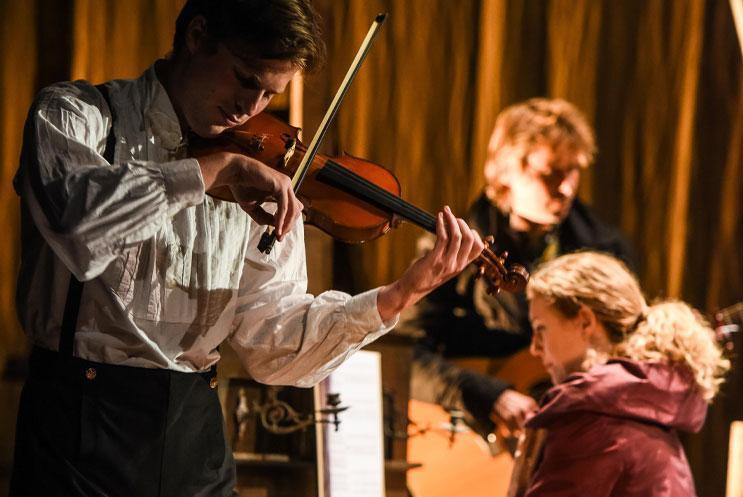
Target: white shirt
169,272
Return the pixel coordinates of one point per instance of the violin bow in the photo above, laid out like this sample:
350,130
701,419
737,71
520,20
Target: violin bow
269,236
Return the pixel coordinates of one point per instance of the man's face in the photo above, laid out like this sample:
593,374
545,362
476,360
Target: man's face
543,188
219,90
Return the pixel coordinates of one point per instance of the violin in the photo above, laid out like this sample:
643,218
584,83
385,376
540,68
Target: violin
351,199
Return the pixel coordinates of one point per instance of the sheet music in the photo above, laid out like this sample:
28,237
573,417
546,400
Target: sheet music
355,453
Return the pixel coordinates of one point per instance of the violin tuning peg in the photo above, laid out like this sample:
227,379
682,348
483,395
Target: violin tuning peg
480,272
489,240
493,289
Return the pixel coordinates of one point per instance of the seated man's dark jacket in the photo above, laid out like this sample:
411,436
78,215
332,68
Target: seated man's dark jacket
461,320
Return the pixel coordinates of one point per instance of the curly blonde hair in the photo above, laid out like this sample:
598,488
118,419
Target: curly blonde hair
551,121
669,331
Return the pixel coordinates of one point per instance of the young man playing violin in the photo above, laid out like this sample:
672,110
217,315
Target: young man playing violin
132,274
536,153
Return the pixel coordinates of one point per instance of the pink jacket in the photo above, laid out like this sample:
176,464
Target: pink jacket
612,431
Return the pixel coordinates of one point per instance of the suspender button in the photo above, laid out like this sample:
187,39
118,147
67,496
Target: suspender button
90,373
213,382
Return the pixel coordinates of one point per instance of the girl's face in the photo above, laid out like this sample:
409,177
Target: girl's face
560,342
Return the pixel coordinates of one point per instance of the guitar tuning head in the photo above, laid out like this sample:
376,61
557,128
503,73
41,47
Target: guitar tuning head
725,335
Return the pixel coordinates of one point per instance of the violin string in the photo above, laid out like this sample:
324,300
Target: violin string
378,194
336,173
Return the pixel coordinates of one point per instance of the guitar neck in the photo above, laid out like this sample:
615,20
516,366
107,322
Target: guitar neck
730,315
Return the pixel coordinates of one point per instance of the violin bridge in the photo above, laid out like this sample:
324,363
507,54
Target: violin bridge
255,144
291,146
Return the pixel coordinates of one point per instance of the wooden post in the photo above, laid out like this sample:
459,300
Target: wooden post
735,461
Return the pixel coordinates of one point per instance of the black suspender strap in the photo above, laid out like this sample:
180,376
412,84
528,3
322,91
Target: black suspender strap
69,319
75,290
108,151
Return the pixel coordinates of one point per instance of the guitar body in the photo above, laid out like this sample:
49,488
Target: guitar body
464,467
468,465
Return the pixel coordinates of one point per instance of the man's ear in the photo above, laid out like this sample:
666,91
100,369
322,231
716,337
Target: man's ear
196,34
499,172
509,157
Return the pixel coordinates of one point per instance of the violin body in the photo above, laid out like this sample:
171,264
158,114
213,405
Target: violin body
340,214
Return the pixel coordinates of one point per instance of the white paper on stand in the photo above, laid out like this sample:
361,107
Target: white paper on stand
354,455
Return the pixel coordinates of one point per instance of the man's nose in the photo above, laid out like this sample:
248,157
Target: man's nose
248,105
535,348
566,188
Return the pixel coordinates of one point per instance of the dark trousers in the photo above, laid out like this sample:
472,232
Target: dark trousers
88,429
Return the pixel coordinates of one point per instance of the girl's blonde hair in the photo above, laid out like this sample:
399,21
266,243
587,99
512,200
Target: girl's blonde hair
669,331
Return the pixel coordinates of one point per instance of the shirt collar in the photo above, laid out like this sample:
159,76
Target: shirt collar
161,115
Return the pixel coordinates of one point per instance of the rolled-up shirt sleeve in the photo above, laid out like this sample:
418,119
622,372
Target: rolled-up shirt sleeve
87,209
282,334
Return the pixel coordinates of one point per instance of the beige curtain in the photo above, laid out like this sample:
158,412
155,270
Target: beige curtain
114,39
17,78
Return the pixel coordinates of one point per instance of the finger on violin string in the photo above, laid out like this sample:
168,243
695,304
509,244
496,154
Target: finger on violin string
468,241
477,247
455,234
441,236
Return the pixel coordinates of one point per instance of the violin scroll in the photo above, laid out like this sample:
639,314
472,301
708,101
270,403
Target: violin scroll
492,267
516,279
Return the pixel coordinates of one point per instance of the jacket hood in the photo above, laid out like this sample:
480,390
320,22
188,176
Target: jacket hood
656,393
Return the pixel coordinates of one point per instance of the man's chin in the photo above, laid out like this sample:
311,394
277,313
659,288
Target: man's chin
542,222
548,218
210,131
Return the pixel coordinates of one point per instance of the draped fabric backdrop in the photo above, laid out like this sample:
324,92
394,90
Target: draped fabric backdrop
16,87
661,81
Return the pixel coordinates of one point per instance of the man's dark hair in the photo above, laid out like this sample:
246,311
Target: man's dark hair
275,29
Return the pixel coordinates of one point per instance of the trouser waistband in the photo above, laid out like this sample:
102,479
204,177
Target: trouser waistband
47,364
